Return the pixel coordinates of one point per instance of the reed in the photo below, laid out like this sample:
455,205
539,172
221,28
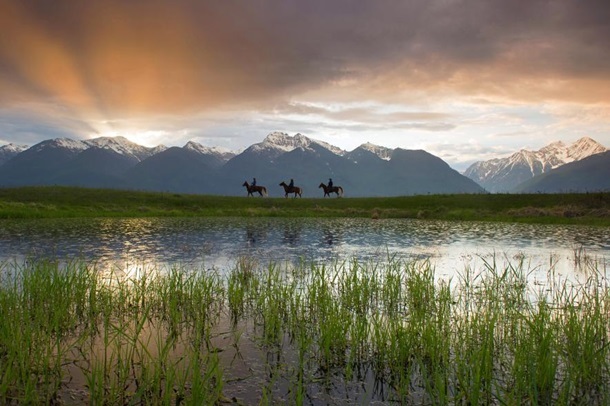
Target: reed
343,330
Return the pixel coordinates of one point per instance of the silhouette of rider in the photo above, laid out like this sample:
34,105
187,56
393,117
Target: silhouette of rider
253,181
291,184
330,183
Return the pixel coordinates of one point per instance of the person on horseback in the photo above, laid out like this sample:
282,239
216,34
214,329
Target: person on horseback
291,184
253,181
330,184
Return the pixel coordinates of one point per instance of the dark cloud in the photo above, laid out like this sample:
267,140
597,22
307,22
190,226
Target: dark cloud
111,59
159,54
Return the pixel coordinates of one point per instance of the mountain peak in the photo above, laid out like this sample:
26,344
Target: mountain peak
8,151
583,148
222,153
285,142
67,143
123,146
382,152
197,147
504,174
13,148
282,142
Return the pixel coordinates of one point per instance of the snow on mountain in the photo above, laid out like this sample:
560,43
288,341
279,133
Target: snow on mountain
222,153
66,143
123,146
10,150
278,143
584,148
382,152
13,148
503,174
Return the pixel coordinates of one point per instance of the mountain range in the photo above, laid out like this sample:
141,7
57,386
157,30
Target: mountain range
115,162
509,174
368,170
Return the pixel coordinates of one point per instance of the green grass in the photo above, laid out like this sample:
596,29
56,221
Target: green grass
388,332
58,202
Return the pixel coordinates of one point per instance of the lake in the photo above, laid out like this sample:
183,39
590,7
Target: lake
319,336
216,243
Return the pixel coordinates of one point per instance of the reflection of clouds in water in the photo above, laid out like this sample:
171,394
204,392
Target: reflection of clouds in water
215,243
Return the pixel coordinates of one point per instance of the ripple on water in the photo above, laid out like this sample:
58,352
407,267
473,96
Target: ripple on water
217,242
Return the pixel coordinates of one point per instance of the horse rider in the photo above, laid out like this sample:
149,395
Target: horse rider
330,184
253,181
291,184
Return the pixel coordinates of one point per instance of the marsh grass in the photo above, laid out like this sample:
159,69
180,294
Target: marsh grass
344,332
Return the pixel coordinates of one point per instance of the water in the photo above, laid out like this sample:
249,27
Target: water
216,243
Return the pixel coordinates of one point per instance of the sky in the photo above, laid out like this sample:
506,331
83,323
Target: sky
465,80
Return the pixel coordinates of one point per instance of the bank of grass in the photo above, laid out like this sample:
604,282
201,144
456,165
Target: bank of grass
350,331
57,202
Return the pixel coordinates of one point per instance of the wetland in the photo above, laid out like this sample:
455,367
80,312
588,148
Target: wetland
258,309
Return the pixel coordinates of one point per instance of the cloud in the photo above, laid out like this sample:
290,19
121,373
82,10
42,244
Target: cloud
24,124
370,115
156,55
139,61
461,155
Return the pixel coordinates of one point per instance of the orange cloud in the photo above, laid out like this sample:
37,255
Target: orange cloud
115,59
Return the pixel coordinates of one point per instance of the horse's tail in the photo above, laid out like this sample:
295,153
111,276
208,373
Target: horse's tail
340,189
264,189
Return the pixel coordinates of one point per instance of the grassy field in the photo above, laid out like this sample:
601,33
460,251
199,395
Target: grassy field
313,334
57,202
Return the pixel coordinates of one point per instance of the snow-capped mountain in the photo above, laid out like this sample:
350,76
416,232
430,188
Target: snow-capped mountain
278,143
61,143
123,146
362,172
382,152
222,154
589,174
505,174
10,150
583,148
13,148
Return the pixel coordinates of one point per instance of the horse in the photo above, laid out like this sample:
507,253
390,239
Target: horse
251,189
333,189
294,189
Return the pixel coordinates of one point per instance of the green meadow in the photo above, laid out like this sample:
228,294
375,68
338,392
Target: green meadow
58,202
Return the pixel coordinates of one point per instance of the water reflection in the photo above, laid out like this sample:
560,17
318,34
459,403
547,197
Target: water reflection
292,233
332,234
256,233
216,243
